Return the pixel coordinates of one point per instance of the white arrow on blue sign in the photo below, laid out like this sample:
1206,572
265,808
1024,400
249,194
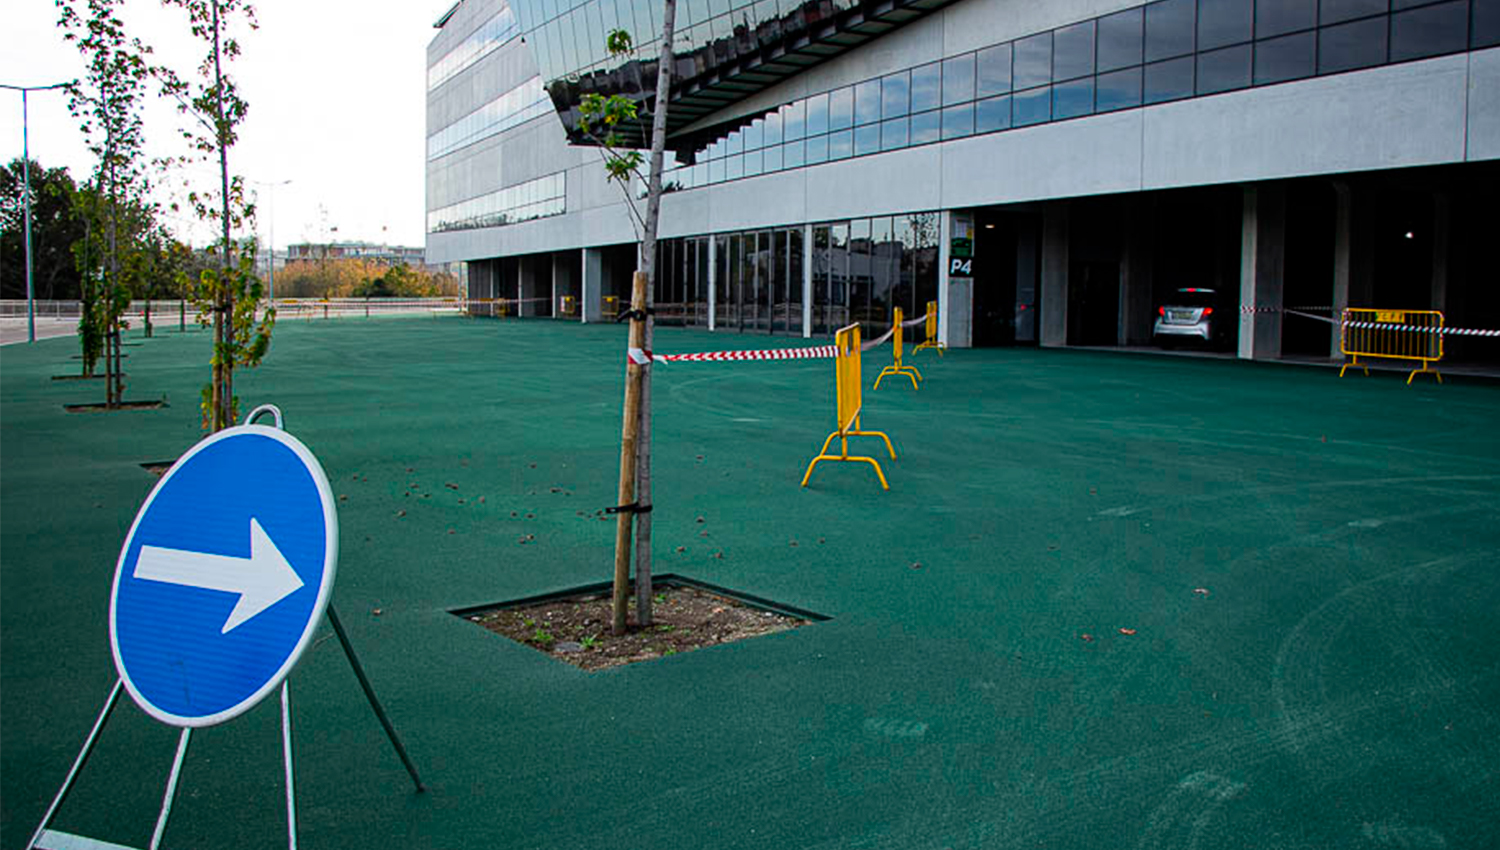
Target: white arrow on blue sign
224,576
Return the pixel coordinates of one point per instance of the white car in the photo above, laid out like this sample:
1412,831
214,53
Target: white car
1188,316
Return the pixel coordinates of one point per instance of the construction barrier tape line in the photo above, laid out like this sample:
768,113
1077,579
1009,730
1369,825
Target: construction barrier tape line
1384,326
641,357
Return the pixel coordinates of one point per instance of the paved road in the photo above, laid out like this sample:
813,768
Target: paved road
13,330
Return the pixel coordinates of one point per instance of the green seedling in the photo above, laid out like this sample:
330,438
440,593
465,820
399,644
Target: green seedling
590,642
542,636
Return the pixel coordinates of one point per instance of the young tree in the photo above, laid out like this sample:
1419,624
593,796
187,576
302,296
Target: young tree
108,102
231,292
606,114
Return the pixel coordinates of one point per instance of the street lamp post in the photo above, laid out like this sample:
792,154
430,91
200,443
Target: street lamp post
271,282
26,194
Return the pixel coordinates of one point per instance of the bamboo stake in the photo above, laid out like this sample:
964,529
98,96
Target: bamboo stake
629,438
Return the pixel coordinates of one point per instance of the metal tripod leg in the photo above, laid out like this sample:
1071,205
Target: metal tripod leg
359,673
171,794
286,751
83,756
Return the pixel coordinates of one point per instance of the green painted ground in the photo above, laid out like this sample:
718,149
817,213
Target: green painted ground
1336,687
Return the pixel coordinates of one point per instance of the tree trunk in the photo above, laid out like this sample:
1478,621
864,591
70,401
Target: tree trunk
643,587
630,433
225,317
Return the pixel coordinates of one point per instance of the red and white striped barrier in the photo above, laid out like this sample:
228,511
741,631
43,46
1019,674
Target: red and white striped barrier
641,357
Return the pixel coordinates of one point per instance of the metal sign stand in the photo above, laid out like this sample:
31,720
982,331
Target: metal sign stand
42,838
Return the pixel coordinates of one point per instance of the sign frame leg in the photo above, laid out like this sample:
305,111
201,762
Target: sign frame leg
364,683
171,793
83,756
286,750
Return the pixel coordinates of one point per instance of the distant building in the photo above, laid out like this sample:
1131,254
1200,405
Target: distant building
380,253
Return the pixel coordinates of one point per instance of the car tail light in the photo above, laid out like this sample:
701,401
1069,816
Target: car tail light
1208,311
1161,311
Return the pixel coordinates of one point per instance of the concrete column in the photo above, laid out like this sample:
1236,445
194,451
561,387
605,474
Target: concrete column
1343,213
1054,300
807,280
955,294
591,295
1136,272
525,284
1262,266
1441,205
713,279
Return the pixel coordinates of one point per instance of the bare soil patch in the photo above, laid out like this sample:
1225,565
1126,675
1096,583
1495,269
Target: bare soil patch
577,630
100,407
99,377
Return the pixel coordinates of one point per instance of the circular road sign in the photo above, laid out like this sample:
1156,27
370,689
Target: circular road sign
224,576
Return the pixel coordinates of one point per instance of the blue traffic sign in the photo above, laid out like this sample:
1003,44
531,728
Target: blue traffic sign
224,576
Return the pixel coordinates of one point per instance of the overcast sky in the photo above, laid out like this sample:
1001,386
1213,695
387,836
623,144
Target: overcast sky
336,91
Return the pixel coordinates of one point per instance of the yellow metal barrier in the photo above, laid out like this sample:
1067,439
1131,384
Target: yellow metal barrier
850,399
611,306
932,333
897,368
569,306
1392,334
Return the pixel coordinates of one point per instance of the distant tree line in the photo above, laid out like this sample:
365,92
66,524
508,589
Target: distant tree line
354,277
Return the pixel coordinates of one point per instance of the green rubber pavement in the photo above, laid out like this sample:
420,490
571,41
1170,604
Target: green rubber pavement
1336,685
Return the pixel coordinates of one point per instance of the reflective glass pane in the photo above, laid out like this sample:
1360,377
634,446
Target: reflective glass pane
993,70
773,129
1169,29
866,139
734,167
867,102
958,121
770,159
895,94
1120,37
1225,69
1430,31
841,144
992,114
1073,51
754,163
893,134
1334,11
841,108
734,143
1289,57
792,154
817,149
926,87
1073,98
1222,22
817,114
1033,60
926,127
792,120
716,171
1484,31
1274,17
1168,80
754,133
1031,107
958,79
1118,90
1358,44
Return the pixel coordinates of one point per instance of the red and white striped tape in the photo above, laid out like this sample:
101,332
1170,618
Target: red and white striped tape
642,357
1444,331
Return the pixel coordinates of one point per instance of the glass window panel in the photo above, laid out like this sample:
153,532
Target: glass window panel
893,134
754,163
1358,44
841,144
958,79
1222,22
1118,90
1169,29
734,167
867,102
926,127
1430,31
1073,98
754,133
866,139
958,121
1484,31
1168,80
895,95
1033,60
595,49
1274,17
1120,39
817,114
841,108
1289,57
992,114
793,117
1334,11
1225,69
1073,51
734,143
993,70
716,171
718,7
1031,107
773,129
926,87
792,154
569,42
771,159
817,149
